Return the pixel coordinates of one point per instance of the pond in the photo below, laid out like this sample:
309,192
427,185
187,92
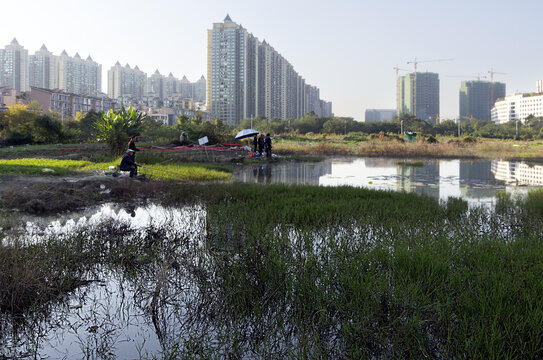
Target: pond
223,280
476,181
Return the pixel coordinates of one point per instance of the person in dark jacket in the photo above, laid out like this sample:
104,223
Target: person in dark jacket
132,143
255,143
268,145
129,164
261,143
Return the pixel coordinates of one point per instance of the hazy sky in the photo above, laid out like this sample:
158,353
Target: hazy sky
347,48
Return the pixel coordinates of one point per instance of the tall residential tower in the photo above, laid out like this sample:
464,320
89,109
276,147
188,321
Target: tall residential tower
248,78
14,67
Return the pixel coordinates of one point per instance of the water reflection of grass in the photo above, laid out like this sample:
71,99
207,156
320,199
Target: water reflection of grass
309,272
410,163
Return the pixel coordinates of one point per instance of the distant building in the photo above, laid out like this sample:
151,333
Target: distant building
8,97
155,85
517,107
125,82
199,92
14,67
67,105
478,97
540,86
425,95
248,78
42,69
78,76
379,114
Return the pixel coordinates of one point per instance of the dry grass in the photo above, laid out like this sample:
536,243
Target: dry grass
444,148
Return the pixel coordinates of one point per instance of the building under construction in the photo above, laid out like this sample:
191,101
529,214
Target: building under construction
478,97
418,95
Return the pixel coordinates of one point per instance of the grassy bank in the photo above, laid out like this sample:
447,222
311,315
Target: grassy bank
158,171
444,148
310,272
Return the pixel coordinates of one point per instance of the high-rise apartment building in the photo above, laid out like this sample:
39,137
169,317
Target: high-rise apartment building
123,81
199,92
42,69
78,76
248,78
540,86
14,67
420,99
155,85
478,97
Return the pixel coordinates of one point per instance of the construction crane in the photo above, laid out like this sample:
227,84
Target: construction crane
478,76
415,62
397,94
492,72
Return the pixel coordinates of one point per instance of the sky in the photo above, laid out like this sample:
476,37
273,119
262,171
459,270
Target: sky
347,48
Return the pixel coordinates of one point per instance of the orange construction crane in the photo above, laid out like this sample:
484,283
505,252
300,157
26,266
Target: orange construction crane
415,62
478,76
492,72
470,118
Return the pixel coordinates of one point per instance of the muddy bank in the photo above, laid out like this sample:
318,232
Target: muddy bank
42,195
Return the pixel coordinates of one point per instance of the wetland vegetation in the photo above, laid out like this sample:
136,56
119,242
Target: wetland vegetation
293,272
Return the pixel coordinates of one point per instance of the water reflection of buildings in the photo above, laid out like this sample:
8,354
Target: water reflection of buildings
420,180
472,180
519,173
286,173
477,180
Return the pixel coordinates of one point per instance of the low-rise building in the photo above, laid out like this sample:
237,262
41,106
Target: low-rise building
517,107
67,105
8,97
380,114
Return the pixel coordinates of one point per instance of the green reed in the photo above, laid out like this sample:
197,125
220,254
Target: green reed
311,272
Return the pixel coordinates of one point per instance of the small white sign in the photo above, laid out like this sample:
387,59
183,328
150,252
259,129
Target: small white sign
203,141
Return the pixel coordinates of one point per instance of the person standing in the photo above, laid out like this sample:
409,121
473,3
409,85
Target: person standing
261,144
255,143
268,145
132,143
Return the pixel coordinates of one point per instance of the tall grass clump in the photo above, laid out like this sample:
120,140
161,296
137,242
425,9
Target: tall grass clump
311,272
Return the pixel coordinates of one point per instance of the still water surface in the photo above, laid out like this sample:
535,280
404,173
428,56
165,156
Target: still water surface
476,181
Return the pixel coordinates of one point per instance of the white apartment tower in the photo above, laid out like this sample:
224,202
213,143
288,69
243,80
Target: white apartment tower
14,67
42,69
248,78
78,76
123,81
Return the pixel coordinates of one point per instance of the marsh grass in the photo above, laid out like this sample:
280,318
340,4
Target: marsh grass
444,148
311,272
159,169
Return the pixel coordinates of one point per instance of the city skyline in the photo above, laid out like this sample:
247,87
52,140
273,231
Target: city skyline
348,50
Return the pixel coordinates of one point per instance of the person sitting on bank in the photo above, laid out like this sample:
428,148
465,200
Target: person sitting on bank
129,164
132,143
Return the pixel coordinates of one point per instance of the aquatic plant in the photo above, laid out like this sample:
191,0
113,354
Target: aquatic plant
311,272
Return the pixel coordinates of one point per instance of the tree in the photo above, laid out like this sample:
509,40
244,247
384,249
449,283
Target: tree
116,127
46,129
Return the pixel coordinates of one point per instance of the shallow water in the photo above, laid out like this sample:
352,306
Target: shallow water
476,181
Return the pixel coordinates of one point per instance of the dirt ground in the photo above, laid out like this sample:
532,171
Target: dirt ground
50,194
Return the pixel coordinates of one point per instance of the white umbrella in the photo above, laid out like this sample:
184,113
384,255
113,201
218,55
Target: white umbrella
245,133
